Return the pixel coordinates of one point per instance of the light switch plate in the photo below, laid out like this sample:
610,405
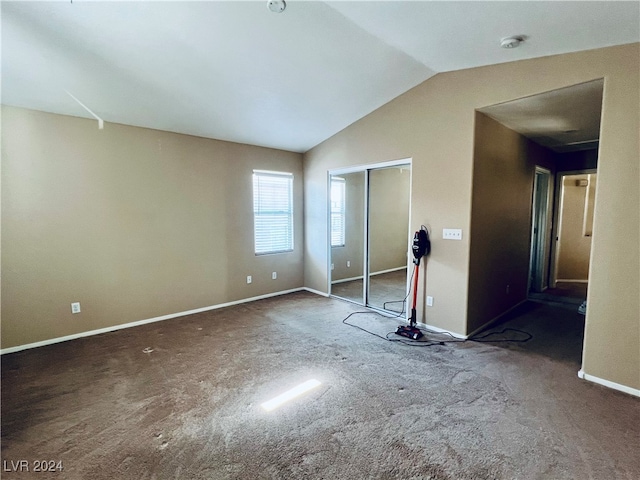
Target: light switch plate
452,233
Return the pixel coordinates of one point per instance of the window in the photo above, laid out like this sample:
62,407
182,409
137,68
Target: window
272,211
337,212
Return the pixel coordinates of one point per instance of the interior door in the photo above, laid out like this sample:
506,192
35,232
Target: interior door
574,227
538,273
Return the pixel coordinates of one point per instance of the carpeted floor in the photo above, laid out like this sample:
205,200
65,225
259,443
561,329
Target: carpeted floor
180,399
569,289
570,293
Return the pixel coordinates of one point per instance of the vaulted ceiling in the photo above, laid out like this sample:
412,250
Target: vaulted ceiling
566,119
238,72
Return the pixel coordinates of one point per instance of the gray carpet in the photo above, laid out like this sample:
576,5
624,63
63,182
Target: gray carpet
190,409
564,292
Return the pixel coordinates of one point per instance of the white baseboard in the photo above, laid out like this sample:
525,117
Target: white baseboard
572,280
606,383
442,330
495,319
389,270
344,280
317,292
143,322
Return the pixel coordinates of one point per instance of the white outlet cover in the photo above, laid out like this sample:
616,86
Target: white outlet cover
274,275
249,279
75,307
429,301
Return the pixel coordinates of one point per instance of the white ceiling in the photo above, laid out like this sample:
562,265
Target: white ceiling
567,119
235,71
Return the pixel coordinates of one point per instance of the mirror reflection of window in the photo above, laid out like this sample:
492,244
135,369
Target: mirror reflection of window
338,209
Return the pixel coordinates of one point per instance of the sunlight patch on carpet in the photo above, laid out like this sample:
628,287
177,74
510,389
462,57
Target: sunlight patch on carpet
290,394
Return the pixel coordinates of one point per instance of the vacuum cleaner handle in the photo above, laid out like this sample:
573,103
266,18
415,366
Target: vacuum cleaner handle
421,245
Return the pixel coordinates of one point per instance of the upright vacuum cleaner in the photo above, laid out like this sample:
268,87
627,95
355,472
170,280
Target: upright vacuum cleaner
421,247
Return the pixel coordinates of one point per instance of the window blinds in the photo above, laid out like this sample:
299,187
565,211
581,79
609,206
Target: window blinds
273,211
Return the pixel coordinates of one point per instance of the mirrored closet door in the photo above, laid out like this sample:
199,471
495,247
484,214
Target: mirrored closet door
388,236
369,230
347,227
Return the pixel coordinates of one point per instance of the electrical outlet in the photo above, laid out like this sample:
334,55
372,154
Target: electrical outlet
274,275
452,233
75,307
429,301
249,279
332,266
348,263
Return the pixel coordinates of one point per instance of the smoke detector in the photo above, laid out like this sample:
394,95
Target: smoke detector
276,6
511,42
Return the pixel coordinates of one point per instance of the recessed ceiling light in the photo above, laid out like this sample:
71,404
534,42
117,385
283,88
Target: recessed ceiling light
276,6
512,42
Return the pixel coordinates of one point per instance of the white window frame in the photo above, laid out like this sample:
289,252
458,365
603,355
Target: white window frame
338,212
272,212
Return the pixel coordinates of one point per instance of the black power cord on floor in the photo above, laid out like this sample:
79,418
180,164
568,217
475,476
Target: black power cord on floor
408,342
384,305
404,300
528,337
425,343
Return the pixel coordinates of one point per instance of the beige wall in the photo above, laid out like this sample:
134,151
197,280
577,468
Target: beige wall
434,124
574,248
503,178
131,222
388,218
